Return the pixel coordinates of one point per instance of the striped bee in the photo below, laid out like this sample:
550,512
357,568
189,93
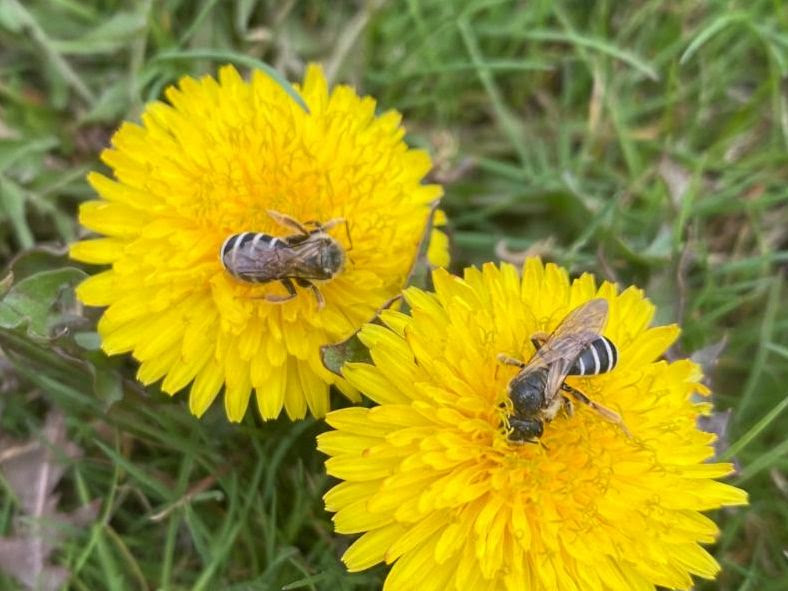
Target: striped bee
576,348
308,255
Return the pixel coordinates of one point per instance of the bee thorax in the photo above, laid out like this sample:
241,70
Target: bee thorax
527,392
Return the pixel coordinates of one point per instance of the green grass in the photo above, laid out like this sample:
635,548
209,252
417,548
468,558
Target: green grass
647,139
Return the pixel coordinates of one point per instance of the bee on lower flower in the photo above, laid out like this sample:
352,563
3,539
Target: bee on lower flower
437,487
576,348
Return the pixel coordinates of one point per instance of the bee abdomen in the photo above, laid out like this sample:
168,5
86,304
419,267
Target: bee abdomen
600,356
246,242
249,240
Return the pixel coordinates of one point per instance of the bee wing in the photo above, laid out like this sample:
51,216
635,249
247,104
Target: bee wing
304,264
555,377
575,332
264,264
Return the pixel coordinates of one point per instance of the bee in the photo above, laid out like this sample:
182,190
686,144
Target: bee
309,254
576,348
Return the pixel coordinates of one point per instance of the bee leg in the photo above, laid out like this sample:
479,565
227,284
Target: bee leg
321,302
569,406
349,237
278,299
506,360
287,221
538,339
330,224
337,221
603,411
322,227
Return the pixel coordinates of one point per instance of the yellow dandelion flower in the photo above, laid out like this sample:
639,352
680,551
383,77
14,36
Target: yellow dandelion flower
438,249
231,156
434,484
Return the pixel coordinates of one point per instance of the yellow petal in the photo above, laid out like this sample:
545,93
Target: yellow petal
238,387
205,387
98,290
112,219
100,251
355,518
295,401
370,548
315,390
373,383
154,369
183,372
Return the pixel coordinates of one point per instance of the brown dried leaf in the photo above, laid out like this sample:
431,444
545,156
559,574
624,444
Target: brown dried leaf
540,248
709,356
33,470
718,423
676,177
17,560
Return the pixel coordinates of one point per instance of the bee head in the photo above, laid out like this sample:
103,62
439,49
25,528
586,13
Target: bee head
332,256
525,430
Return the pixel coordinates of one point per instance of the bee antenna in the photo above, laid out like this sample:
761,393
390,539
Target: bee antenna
349,237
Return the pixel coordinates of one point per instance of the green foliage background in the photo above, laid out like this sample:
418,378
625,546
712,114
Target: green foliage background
645,141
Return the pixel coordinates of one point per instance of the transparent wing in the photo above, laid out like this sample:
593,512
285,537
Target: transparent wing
575,332
580,327
555,377
263,264
305,264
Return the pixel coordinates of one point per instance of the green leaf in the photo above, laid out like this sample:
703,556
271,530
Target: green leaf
576,39
11,19
711,30
756,429
76,373
29,303
111,105
60,70
15,150
114,34
90,341
107,381
348,351
37,259
12,201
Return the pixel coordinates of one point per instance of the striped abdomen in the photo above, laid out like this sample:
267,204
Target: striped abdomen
599,356
250,256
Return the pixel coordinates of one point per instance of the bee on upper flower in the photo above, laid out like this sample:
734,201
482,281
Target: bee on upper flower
309,255
244,232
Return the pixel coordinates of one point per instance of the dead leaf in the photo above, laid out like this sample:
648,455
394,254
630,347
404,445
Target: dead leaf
718,423
708,356
540,248
17,560
596,102
676,177
33,470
